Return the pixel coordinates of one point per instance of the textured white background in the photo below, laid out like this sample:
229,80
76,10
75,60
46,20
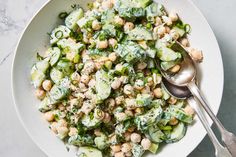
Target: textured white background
15,14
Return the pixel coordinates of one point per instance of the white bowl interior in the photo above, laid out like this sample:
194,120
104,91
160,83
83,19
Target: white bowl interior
35,39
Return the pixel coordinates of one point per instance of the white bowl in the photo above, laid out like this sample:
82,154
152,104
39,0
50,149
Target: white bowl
35,39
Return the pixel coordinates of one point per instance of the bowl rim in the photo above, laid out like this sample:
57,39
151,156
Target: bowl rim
49,1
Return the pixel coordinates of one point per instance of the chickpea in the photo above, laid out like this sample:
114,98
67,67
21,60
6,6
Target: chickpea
63,131
119,67
53,127
99,114
184,42
129,113
174,34
112,42
150,81
102,44
61,107
116,83
127,136
126,147
88,94
138,111
135,137
130,103
175,69
158,21
82,87
121,116
128,154
173,16
128,26
107,4
189,110
167,29
97,132
167,20
119,100
172,100
141,65
124,79
49,116
119,21
88,68
40,94
158,92
160,30
98,65
85,79
139,84
92,83
119,154
47,85
116,148
196,55
173,121
96,25
73,131
107,118
112,57
128,89
110,102
146,143
146,90
62,122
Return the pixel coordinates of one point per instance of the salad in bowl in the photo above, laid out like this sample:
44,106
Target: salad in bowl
98,82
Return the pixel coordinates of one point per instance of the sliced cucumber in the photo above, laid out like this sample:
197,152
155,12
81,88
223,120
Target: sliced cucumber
37,77
180,114
180,31
144,121
46,104
58,93
89,152
137,150
155,134
177,133
103,85
89,121
167,54
154,147
70,46
56,75
38,72
167,65
65,66
140,33
81,140
54,55
73,17
154,10
59,33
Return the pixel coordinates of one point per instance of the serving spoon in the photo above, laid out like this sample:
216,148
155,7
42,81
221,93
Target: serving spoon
186,78
184,93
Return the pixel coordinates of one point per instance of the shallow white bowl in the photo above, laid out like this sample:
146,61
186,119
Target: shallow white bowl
35,39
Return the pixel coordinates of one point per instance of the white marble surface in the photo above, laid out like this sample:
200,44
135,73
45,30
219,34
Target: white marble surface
15,14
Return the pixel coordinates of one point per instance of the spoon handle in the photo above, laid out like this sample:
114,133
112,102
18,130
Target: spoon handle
220,151
228,138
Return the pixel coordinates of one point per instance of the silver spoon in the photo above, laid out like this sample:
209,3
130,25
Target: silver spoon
184,93
186,78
